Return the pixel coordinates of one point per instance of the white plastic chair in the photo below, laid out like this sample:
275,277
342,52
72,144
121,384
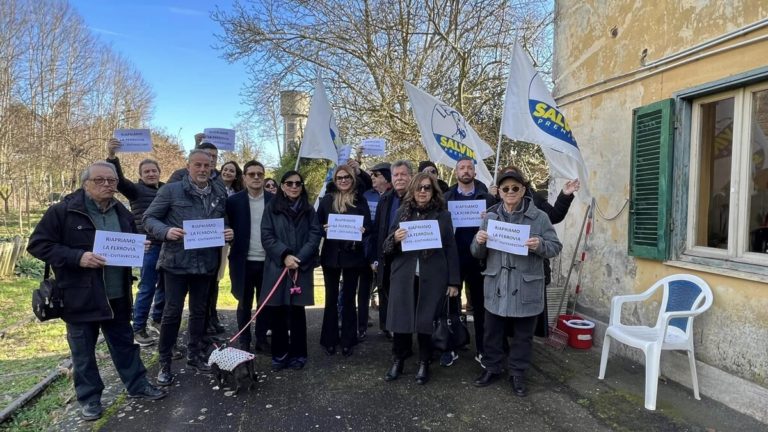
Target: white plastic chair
685,296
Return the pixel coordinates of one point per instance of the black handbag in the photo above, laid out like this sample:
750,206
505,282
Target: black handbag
47,302
450,330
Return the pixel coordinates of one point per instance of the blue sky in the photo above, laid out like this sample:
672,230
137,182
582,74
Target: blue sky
171,44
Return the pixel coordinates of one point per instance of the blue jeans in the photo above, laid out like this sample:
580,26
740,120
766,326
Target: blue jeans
148,289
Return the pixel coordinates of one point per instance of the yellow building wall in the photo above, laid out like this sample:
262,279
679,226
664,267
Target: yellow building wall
598,81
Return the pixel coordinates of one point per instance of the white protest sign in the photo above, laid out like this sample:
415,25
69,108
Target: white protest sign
507,237
421,235
120,249
223,139
134,140
466,213
344,227
374,147
345,153
372,206
203,233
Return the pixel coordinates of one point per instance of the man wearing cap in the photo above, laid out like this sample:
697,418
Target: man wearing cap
429,167
468,188
381,177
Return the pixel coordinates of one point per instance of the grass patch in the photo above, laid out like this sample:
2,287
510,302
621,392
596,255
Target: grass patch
43,412
16,301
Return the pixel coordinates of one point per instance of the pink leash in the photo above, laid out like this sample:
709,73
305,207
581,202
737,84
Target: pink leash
294,290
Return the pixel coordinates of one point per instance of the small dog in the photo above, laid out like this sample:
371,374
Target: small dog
233,367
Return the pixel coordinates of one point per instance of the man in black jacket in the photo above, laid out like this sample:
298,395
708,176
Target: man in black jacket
468,188
140,196
96,296
402,171
247,255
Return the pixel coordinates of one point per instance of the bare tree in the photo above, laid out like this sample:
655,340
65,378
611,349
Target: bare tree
454,49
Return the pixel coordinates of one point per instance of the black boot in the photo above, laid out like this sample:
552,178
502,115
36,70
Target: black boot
518,385
422,376
165,377
395,371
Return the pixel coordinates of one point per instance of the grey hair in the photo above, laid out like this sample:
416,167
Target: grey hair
148,162
198,151
86,175
405,163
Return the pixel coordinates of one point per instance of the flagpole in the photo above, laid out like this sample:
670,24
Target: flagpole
498,151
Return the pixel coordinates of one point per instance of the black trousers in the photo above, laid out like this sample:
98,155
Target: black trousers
283,318
364,297
211,314
125,354
176,288
383,296
475,291
520,348
329,335
254,275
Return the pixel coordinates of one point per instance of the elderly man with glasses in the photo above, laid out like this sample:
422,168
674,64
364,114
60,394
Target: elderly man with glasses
97,296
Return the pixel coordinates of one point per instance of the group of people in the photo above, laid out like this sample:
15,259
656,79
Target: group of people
275,238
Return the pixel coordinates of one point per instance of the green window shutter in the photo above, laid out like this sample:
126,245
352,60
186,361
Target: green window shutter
651,180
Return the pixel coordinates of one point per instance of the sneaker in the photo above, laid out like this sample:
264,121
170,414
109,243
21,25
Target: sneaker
269,332
143,339
297,363
279,363
197,363
149,392
176,353
479,359
153,327
448,358
91,411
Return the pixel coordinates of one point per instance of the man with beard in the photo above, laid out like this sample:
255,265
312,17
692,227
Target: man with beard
468,188
385,218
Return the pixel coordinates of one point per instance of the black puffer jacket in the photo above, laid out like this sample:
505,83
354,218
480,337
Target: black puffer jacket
61,238
139,194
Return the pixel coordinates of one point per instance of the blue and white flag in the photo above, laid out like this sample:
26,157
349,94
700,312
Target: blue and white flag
446,134
531,115
321,135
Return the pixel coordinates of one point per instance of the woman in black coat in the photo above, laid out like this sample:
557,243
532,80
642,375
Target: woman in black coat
342,258
291,236
420,279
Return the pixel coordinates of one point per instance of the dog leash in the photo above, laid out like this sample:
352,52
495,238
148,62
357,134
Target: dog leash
294,290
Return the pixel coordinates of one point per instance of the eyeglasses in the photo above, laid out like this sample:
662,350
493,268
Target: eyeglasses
104,181
271,185
255,174
507,189
343,178
430,171
424,188
292,184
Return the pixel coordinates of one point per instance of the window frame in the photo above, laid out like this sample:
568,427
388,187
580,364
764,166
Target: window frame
686,170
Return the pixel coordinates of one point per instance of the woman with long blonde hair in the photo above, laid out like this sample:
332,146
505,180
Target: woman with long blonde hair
342,258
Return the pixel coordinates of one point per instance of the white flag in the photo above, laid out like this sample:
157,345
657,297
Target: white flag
531,115
446,134
320,133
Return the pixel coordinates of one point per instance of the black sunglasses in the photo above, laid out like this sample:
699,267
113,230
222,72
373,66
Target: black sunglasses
514,189
343,177
297,183
424,188
255,174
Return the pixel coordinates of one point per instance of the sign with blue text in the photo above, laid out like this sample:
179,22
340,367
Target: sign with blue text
508,237
134,140
120,249
424,234
203,233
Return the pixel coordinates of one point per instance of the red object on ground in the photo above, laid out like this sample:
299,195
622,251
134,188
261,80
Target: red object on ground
578,329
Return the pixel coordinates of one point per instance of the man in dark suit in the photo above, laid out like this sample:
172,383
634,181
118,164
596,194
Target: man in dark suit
246,256
384,220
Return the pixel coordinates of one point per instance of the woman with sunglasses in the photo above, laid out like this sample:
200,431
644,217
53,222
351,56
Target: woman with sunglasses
270,185
290,235
232,176
342,259
514,284
420,279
